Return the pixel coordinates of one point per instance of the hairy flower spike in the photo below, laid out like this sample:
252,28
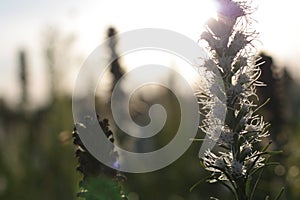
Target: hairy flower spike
230,43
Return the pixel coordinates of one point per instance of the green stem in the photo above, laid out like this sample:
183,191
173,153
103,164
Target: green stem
241,189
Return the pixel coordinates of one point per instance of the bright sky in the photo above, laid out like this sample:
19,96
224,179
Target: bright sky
22,24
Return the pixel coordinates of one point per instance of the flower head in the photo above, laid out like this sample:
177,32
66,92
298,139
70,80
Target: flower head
238,169
230,44
230,9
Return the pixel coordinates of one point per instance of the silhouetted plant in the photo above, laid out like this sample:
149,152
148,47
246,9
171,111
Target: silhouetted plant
23,77
115,67
99,181
276,110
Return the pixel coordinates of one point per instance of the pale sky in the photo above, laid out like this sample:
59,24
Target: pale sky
22,24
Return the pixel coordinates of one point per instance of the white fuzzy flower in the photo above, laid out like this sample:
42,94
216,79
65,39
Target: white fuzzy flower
219,162
238,169
255,125
232,52
227,137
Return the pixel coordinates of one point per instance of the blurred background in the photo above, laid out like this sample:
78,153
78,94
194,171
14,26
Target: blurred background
44,44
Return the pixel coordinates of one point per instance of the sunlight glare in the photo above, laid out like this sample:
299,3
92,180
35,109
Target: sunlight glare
187,18
195,12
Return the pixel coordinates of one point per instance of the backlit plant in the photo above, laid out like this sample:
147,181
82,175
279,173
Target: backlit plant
238,156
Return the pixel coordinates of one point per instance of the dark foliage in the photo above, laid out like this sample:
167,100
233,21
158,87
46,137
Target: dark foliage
99,181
